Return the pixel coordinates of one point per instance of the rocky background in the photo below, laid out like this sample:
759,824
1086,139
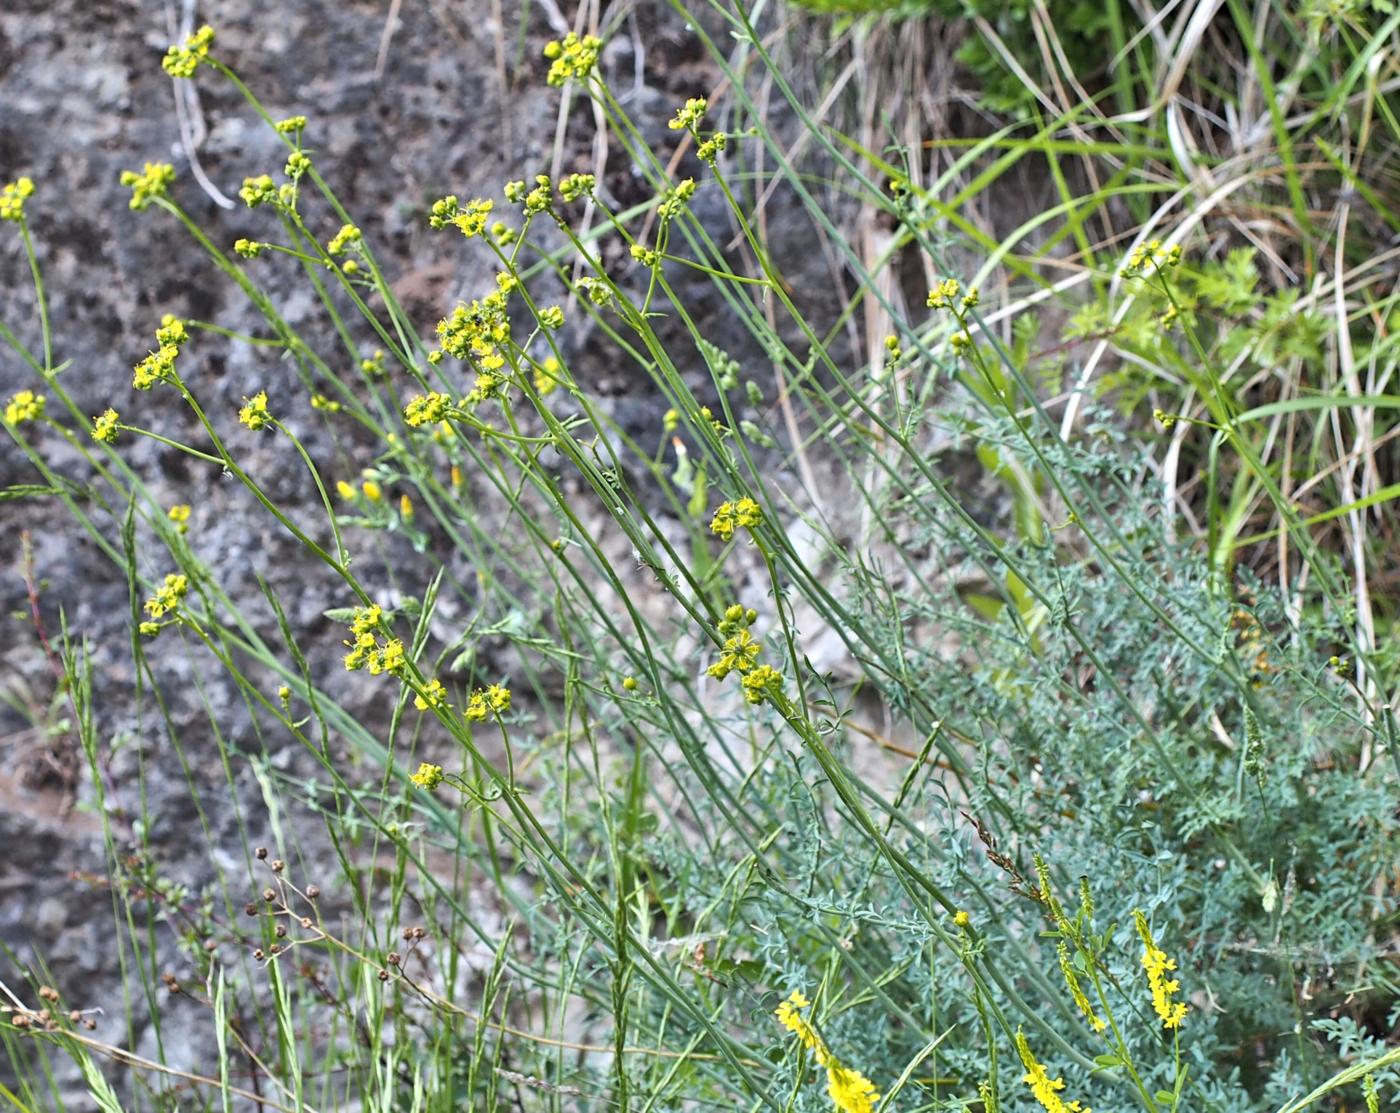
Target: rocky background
407,102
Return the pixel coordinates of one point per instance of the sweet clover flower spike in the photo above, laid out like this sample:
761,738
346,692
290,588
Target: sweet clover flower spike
104,426
688,117
428,777
849,1090
254,412
730,516
574,57
168,597
24,406
1046,1089
1158,966
1076,990
183,61
12,198
427,409
153,181
347,235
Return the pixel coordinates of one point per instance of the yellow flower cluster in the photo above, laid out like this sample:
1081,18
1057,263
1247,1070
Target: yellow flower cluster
943,295
740,650
1158,966
292,125
730,516
261,190
254,412
180,515
547,378
740,654
1046,1089
428,777
575,186
347,235
574,57
183,61
153,181
849,1090
24,406
12,198
168,597
688,118
159,366
676,199
104,426
434,695
1151,255
495,700
298,163
365,650
427,409
1076,990
476,331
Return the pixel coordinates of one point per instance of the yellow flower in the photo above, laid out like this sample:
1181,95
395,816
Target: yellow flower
428,776
153,181
345,491
791,1019
758,682
182,61
24,406
689,117
259,191
156,367
104,426
729,516
405,507
1076,991
547,376
427,408
1158,965
389,659
168,597
432,695
372,490
347,235
962,919
12,198
291,125
1045,1088
180,515
574,57
849,1090
254,412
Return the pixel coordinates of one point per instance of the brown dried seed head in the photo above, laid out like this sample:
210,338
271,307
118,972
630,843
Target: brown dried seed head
278,865
261,852
250,909
276,949
170,981
280,931
269,894
21,1020
89,1023
258,954
306,921
393,958
48,993
312,892
383,975
75,1017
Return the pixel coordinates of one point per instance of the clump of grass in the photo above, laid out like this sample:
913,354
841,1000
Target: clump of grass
709,779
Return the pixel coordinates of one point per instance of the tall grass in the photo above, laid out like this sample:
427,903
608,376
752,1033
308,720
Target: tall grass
890,667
